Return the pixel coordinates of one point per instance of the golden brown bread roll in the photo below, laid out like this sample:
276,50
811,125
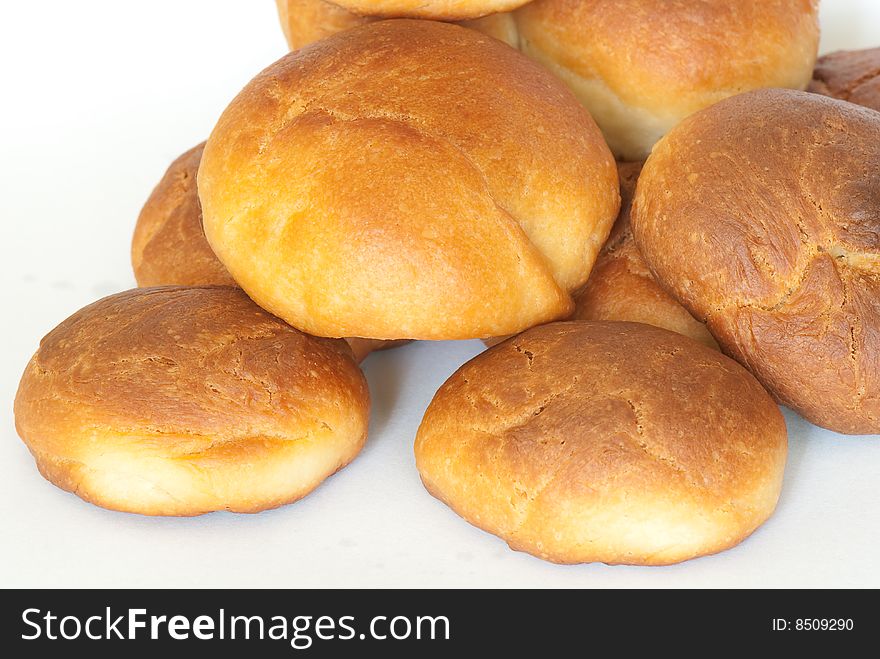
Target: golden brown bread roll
603,441
183,401
761,215
169,247
307,21
641,66
621,287
408,179
444,10
850,75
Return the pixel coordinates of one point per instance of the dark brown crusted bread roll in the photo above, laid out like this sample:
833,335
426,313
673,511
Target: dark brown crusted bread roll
169,247
182,401
613,442
761,215
850,75
621,287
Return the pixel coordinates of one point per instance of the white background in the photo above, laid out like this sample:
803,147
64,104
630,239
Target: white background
97,98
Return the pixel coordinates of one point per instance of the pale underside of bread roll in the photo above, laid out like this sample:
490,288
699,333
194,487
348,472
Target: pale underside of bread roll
187,400
321,191
307,21
640,66
605,442
761,215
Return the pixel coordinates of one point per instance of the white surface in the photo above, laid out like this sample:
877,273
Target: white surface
98,98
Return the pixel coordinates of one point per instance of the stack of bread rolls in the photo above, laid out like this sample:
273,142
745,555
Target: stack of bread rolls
635,203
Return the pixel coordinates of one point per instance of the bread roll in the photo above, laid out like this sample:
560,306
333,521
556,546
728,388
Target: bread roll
641,66
169,247
408,179
621,287
761,215
183,401
605,442
444,10
850,75
307,21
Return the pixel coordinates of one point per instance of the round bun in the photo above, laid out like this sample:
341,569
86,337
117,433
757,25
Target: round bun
641,66
850,75
761,215
443,10
408,180
183,401
307,21
621,287
169,246
605,442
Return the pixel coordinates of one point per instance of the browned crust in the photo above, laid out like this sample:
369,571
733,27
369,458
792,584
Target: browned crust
527,197
169,247
850,75
621,287
762,216
613,442
183,400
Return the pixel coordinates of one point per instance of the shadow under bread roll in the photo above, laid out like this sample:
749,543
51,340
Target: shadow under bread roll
761,215
607,442
408,179
169,247
850,75
185,400
307,21
641,66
